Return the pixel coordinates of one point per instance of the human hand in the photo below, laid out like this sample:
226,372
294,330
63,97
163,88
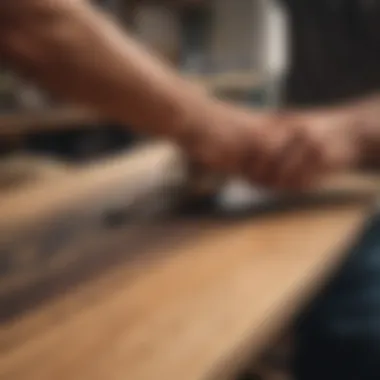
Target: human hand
224,138
288,151
308,146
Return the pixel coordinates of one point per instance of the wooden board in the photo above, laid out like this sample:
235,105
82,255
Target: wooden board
211,293
145,294
19,170
55,227
61,223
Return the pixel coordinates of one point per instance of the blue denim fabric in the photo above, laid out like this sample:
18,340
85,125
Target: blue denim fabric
338,337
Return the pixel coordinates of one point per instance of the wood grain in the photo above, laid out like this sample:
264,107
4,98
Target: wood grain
49,225
65,222
19,170
161,296
207,301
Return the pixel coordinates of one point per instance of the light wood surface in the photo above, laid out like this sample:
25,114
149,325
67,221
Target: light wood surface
45,225
51,224
159,296
144,170
20,170
211,294
128,177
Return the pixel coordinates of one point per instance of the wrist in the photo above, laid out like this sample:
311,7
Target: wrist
190,123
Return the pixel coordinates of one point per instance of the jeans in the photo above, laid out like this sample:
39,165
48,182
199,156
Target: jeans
338,336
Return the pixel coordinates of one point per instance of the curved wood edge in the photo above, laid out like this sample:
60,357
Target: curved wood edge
195,313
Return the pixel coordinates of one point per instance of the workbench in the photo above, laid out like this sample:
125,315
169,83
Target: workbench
103,279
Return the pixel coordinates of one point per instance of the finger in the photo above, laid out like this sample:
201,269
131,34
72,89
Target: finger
260,161
284,158
300,164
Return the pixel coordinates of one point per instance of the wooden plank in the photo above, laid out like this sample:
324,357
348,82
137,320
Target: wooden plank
208,299
19,170
47,226
66,276
63,222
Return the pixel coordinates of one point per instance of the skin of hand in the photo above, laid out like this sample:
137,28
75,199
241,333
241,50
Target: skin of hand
286,151
308,146
316,143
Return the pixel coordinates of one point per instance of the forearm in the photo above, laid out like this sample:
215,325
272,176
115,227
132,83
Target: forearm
75,51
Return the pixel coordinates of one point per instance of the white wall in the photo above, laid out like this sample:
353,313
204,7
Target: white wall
275,38
250,33
246,34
